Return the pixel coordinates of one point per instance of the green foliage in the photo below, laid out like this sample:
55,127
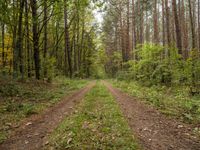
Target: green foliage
99,59
156,65
49,65
114,63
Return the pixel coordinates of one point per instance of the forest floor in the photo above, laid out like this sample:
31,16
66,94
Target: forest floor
100,116
21,100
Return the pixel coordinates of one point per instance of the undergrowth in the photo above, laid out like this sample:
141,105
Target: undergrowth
19,100
173,101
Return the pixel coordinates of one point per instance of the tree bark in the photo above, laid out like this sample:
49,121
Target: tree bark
27,40
167,23
163,23
192,25
127,32
45,21
35,38
177,26
19,43
3,45
67,43
155,16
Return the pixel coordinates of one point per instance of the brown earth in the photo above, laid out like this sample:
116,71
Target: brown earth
154,130
32,135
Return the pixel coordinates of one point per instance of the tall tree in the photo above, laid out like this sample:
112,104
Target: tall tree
19,46
177,25
67,43
27,39
34,8
45,22
192,25
156,34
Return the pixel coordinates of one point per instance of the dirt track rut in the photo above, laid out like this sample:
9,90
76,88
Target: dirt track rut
32,135
154,130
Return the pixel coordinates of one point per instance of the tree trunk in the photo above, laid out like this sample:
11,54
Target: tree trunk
199,24
67,43
3,45
127,32
192,25
45,38
14,35
27,40
155,16
177,26
133,28
184,30
19,43
163,22
167,23
35,38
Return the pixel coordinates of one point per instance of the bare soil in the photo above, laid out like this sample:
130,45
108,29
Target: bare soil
32,135
154,130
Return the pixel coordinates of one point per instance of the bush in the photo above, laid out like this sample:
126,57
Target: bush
157,65
9,89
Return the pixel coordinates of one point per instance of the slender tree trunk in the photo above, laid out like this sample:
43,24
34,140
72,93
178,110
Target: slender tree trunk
67,43
78,36
147,36
127,32
155,16
199,24
35,38
163,22
141,6
3,45
82,46
184,30
167,23
177,25
45,38
19,43
192,25
133,28
14,35
27,40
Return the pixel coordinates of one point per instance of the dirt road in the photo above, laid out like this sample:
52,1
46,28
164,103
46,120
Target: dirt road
32,135
154,130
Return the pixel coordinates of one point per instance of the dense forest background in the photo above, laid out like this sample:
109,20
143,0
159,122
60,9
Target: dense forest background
156,42
46,38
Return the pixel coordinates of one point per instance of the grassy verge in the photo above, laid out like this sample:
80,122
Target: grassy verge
20,100
97,123
173,101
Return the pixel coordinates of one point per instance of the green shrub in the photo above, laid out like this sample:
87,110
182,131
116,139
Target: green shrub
9,89
157,65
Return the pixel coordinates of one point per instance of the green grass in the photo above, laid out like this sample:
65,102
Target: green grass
19,100
172,101
97,123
